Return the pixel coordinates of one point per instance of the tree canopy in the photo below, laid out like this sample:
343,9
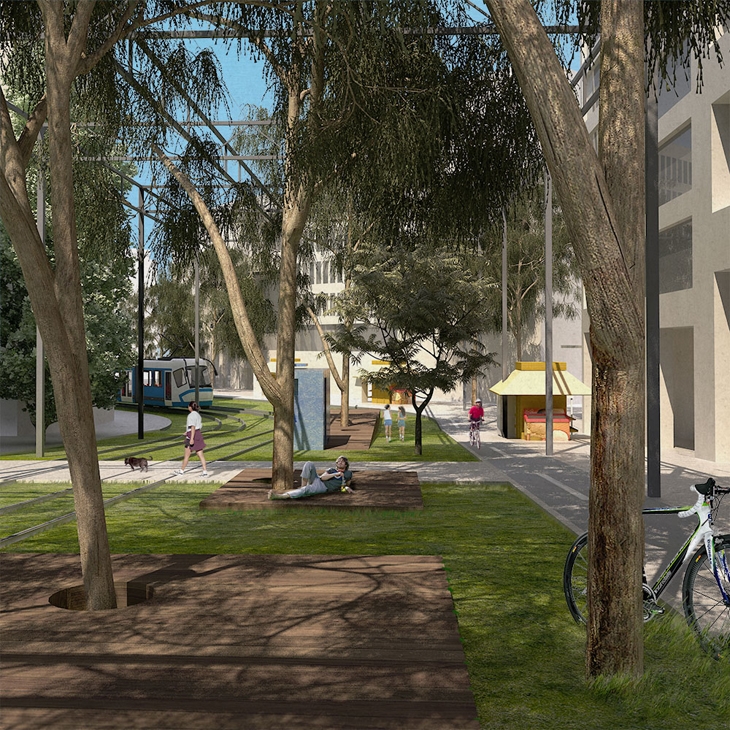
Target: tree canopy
422,311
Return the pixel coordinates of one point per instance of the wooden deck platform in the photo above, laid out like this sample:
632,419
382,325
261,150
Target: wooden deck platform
358,435
390,490
268,642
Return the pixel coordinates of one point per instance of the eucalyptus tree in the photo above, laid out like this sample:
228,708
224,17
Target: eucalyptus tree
600,195
60,57
526,266
109,330
362,102
170,321
423,311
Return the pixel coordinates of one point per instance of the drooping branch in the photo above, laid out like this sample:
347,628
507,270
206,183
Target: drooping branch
327,349
245,329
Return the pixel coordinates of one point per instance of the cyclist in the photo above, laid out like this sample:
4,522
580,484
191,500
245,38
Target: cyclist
476,412
476,416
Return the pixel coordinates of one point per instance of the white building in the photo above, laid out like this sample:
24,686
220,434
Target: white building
694,256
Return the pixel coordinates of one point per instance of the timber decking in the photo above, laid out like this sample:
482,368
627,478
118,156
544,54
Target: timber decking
236,641
358,435
389,490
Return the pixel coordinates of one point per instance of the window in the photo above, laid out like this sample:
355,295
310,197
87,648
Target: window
318,267
675,166
179,376
152,378
204,381
591,81
720,140
675,258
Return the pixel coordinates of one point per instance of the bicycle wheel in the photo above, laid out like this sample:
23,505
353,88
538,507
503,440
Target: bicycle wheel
477,438
704,608
575,579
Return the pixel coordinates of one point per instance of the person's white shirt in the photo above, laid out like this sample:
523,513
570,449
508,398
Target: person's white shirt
194,420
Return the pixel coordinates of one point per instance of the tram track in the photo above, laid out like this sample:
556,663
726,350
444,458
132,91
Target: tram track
155,445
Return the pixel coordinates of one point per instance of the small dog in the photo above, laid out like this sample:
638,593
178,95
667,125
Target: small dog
133,461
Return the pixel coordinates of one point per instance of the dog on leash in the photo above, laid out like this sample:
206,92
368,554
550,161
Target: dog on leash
133,461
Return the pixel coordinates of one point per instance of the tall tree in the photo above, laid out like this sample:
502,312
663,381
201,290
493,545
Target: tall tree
605,219
352,88
57,55
422,311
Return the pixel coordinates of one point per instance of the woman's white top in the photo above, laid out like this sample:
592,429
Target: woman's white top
194,420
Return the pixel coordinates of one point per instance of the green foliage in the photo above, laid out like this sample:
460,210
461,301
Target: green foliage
109,331
675,33
423,311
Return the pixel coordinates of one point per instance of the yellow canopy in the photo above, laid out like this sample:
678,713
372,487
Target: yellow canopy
528,378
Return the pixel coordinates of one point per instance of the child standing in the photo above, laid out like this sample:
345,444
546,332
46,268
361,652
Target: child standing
402,423
387,421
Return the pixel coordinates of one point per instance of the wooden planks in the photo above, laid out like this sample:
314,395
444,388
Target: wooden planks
358,435
389,490
233,641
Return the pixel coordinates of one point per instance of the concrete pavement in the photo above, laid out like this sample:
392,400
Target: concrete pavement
558,483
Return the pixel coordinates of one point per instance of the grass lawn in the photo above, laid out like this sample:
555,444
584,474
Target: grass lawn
504,560
226,437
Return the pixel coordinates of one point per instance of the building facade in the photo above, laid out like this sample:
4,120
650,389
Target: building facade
694,254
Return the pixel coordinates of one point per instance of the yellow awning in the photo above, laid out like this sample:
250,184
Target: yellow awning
528,378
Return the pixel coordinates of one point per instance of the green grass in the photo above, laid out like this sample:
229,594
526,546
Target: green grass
226,439
504,560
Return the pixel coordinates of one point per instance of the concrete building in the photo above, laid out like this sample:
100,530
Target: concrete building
694,254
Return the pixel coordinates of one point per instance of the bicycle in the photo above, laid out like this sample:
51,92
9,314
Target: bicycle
706,583
475,438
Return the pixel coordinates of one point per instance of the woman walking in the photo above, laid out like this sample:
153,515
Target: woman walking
194,438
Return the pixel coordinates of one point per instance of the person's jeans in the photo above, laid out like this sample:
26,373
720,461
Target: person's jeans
311,483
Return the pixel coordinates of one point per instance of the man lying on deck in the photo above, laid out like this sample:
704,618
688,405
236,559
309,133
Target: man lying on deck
334,479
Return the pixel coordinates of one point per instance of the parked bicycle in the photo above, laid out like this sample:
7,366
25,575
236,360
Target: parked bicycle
706,584
475,438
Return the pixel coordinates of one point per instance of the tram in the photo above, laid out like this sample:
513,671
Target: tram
170,382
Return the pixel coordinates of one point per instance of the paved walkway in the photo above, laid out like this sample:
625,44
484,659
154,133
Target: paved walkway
558,483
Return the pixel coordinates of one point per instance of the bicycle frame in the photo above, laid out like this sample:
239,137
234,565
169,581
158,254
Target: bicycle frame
682,555
703,532
704,558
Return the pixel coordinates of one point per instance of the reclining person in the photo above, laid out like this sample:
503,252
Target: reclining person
334,479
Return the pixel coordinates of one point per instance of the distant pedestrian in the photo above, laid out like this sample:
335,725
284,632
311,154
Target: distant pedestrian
387,421
402,423
194,438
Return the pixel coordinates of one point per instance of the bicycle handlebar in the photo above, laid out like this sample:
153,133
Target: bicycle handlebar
711,487
707,490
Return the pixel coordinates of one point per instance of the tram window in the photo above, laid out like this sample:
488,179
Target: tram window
203,381
152,378
179,377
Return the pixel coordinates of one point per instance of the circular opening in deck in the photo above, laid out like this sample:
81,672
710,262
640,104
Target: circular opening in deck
128,594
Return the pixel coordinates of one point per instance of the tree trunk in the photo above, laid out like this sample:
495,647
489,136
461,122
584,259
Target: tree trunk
56,295
418,433
341,381
345,391
606,226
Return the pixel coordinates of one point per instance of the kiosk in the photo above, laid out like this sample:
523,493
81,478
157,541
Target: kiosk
521,401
